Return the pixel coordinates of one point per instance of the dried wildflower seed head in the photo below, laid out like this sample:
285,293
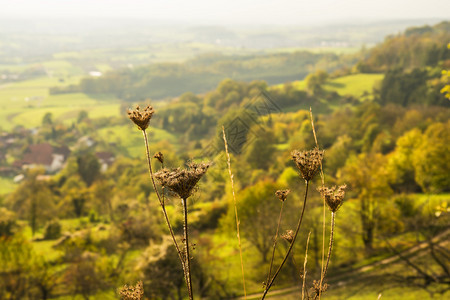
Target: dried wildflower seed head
307,162
288,235
141,118
333,197
282,194
317,289
182,181
159,156
132,292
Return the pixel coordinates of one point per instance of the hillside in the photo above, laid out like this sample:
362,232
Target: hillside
79,216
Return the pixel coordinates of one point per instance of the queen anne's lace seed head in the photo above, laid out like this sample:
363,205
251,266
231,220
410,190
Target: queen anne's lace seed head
132,292
141,117
182,181
307,162
333,197
282,194
288,235
159,156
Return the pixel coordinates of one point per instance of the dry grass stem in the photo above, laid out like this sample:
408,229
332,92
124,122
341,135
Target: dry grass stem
304,267
324,210
187,261
235,210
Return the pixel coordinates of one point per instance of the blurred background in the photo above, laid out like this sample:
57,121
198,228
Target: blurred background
74,190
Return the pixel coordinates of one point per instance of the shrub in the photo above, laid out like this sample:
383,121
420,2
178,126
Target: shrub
52,230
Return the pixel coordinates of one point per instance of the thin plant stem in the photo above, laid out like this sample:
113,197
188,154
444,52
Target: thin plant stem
186,245
330,247
304,267
161,202
275,242
322,177
269,284
235,210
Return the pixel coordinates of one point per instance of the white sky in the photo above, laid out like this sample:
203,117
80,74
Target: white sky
232,11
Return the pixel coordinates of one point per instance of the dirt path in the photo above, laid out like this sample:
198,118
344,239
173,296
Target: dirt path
442,239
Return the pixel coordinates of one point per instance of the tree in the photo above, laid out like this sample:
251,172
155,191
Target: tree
314,81
258,215
431,159
400,163
367,177
88,167
33,199
259,151
15,265
160,267
47,119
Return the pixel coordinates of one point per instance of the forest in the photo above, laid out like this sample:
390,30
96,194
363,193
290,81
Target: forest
80,216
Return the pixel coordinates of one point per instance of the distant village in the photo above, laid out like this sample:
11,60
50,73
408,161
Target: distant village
51,157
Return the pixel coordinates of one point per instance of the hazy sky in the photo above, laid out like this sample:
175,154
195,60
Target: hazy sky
232,11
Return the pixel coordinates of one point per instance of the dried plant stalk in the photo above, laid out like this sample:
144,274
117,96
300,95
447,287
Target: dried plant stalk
282,196
304,267
186,247
161,202
291,245
235,210
324,210
330,247
141,118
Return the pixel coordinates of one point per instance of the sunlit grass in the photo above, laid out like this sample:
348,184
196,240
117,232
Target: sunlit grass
6,185
355,85
131,139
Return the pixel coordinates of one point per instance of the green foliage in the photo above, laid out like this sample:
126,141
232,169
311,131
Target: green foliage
366,176
33,200
258,152
88,167
258,214
202,74
7,222
315,81
417,47
52,230
432,159
400,165
162,271
408,88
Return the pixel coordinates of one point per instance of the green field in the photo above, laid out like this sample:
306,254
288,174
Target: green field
26,102
355,85
6,185
129,138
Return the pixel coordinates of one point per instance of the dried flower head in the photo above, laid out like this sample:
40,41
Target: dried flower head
159,156
317,289
288,235
307,162
132,292
141,118
282,194
333,197
182,181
